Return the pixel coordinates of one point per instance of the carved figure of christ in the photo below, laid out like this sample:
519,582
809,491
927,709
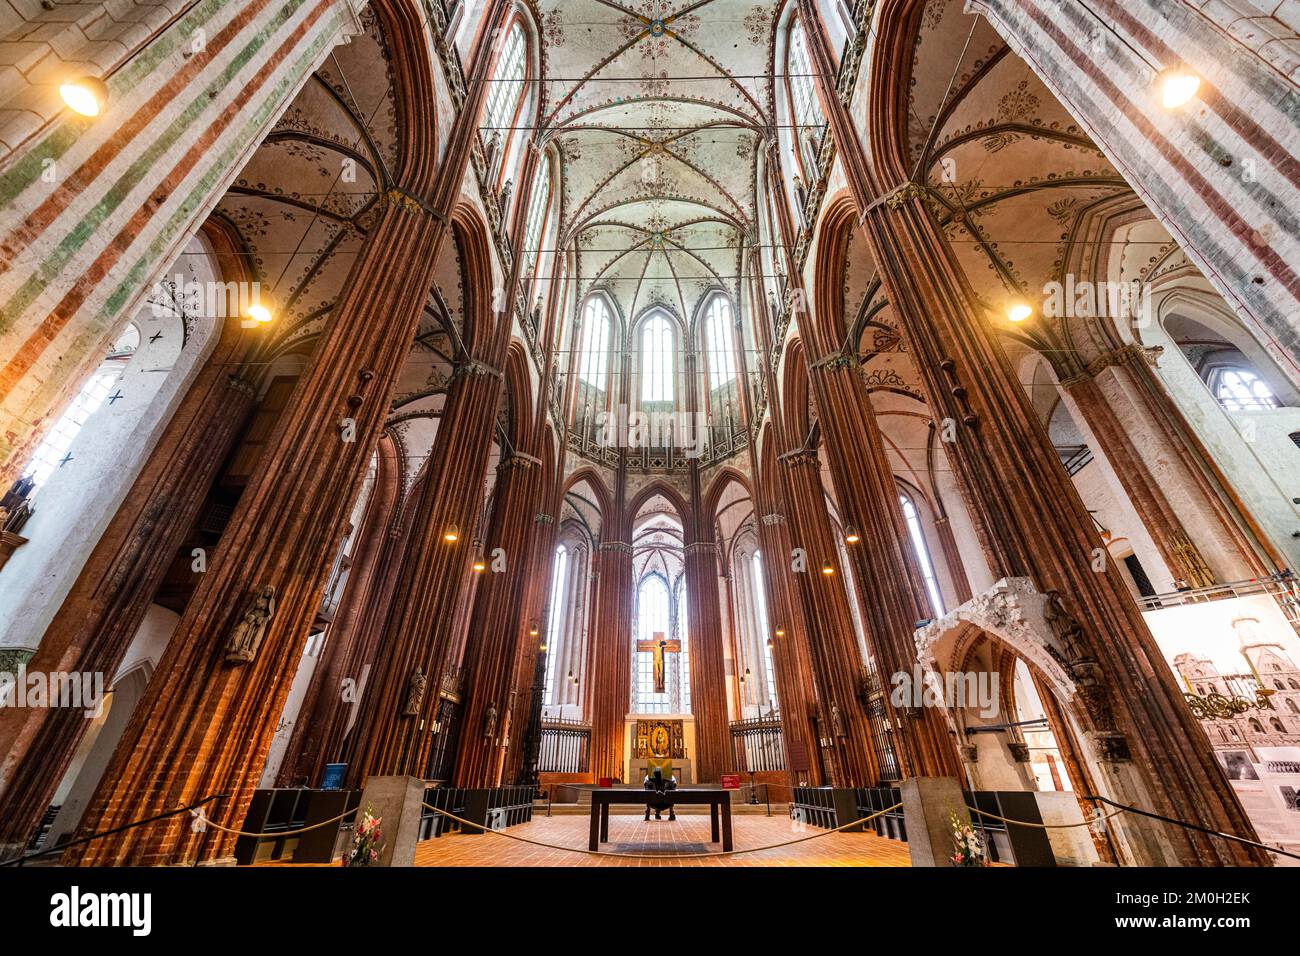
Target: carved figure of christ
659,648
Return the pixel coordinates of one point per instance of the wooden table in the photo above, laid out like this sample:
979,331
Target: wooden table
719,802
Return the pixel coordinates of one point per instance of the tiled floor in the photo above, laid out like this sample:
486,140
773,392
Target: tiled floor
663,842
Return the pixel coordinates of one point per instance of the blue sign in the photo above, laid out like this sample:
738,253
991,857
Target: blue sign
332,779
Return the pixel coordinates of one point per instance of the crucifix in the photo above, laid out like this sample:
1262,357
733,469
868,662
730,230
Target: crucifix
659,648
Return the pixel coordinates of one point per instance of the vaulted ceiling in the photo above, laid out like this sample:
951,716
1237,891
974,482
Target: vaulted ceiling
657,108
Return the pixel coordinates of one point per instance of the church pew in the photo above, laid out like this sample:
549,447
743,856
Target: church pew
276,812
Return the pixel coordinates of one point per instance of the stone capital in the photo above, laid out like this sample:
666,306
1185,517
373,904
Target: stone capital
477,368
519,459
903,194
241,386
407,202
800,456
833,361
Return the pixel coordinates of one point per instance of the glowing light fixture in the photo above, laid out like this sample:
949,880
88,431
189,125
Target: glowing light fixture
260,313
780,632
86,95
1177,86
827,568
451,535
479,564
851,535
1019,311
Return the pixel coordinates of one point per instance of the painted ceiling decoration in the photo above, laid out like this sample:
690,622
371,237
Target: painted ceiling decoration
659,119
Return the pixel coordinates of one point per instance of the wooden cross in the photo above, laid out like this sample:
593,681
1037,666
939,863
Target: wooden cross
659,648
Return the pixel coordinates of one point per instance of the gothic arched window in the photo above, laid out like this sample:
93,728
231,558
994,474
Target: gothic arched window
594,346
506,90
805,108
657,360
538,206
922,553
760,606
1240,388
556,615
720,343
54,445
653,617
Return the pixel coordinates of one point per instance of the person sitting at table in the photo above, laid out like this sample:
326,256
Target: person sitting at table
659,783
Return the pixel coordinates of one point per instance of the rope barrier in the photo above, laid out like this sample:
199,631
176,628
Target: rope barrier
1044,826
1197,827
61,848
659,856
276,834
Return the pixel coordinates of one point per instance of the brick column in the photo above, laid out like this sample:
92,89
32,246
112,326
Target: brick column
104,609
394,734
498,634
351,637
714,754
206,723
609,657
530,669
884,565
796,692
837,663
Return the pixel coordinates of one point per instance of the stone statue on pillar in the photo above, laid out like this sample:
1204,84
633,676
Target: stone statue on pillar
1064,627
837,725
414,693
490,722
246,636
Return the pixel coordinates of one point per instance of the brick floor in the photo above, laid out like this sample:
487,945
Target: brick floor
661,839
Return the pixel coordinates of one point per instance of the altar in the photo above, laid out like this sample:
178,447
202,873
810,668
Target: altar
653,739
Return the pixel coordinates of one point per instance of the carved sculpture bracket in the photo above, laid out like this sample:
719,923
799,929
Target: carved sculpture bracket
1012,610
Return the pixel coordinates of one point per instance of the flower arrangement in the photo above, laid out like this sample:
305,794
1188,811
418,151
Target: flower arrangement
367,839
968,846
